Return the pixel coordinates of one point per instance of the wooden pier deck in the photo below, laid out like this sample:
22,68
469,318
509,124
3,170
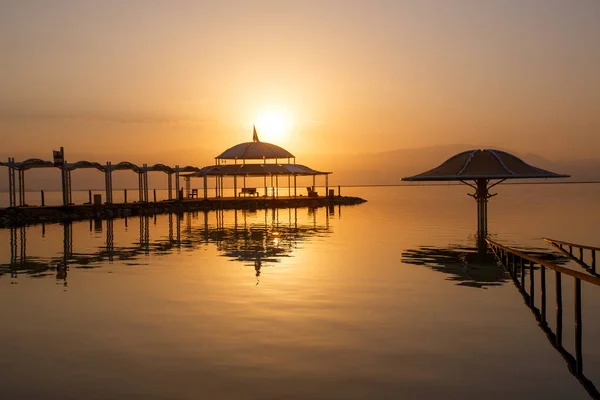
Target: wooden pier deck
26,215
524,269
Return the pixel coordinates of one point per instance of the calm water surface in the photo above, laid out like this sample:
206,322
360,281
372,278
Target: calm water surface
378,301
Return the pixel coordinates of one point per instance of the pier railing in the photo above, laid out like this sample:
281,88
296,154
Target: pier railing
519,265
561,246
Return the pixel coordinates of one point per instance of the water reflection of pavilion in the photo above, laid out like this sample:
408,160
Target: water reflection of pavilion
255,237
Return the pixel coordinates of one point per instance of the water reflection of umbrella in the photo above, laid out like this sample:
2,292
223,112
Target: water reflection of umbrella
469,266
464,265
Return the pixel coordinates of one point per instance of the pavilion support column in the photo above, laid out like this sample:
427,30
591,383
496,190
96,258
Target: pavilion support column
205,187
69,187
110,187
314,182
277,184
481,196
170,185
11,184
64,184
140,186
327,185
13,193
108,183
177,192
216,186
289,185
21,187
272,188
145,183
265,181
188,186
106,186
295,186
235,186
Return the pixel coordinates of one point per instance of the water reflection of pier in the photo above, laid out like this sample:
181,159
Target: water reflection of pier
523,269
255,237
473,266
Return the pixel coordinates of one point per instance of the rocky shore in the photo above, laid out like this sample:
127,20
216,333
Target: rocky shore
20,216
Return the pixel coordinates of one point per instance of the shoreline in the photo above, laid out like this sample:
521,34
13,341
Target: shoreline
21,216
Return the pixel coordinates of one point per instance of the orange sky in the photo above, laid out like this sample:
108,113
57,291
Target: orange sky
157,77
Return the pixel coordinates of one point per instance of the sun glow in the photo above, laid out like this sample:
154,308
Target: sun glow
274,126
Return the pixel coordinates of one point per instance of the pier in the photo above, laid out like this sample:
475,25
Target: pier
589,263
19,216
523,269
250,160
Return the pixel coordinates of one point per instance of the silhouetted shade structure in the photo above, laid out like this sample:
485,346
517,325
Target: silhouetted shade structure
483,164
258,170
482,167
254,151
250,159
66,168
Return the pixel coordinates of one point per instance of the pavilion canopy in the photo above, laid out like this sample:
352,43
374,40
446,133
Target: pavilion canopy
254,151
483,164
29,163
124,165
257,170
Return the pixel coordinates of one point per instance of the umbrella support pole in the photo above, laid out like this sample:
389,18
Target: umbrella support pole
481,196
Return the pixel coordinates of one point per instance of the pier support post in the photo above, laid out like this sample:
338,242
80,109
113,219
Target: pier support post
170,186
205,187
327,185
42,198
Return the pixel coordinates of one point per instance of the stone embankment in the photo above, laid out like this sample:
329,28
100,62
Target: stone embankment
20,216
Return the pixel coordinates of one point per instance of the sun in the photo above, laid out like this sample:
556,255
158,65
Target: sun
273,126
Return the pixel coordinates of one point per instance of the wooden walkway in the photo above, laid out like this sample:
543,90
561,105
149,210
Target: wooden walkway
522,267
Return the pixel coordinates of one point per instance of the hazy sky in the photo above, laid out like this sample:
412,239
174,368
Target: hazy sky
146,77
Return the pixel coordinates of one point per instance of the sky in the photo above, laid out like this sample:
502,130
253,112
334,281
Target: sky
156,79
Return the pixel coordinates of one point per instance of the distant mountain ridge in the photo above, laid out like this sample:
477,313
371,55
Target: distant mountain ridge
389,167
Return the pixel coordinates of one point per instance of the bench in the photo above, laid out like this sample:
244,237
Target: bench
311,191
251,191
193,194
